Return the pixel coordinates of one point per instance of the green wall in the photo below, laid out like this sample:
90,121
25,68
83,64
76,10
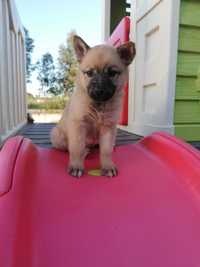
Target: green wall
187,102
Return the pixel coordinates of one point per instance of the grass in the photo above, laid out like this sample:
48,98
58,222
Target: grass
50,105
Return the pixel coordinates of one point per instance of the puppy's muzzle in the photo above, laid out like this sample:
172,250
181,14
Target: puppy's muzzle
101,88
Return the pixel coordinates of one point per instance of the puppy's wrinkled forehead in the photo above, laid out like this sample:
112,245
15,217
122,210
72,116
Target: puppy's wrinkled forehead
100,57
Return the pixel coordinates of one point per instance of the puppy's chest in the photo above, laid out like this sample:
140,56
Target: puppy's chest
99,118
96,122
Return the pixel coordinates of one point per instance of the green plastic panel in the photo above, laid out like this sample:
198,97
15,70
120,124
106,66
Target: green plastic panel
187,111
187,100
189,39
190,12
187,88
188,64
188,132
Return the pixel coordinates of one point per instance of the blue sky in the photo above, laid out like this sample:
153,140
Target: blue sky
49,22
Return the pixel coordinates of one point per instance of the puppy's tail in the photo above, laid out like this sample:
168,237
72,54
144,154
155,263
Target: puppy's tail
58,139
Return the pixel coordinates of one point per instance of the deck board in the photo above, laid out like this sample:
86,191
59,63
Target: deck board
39,134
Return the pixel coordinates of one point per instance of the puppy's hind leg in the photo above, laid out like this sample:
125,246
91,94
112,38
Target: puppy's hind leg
58,139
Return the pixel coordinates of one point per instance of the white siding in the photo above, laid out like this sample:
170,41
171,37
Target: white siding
156,34
12,70
152,75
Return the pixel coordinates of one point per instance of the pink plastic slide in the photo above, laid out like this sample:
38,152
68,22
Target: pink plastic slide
147,216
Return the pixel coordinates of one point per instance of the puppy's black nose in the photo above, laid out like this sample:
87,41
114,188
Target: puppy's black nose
101,88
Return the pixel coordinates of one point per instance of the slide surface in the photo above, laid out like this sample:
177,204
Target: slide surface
147,216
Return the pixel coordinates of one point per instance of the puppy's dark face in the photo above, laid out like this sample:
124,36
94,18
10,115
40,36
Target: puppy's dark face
103,69
102,83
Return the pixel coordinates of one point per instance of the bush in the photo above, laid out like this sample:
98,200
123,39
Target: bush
53,103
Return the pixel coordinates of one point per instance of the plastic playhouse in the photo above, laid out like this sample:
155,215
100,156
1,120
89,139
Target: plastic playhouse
164,91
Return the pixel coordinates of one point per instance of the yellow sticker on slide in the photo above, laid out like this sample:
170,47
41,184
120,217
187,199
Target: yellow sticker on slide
94,172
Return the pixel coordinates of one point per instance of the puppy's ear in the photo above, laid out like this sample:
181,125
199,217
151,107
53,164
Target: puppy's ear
80,47
127,52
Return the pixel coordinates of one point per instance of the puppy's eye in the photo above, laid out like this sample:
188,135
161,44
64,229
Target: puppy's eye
89,73
112,73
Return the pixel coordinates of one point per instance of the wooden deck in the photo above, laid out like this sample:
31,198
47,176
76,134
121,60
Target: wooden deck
39,134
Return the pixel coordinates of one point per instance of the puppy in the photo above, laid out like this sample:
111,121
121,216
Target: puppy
93,111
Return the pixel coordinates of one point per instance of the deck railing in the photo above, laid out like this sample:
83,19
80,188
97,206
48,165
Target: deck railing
12,70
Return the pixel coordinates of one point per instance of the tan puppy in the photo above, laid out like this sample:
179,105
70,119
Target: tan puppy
93,111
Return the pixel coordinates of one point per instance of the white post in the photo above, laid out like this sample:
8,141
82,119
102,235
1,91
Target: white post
106,11
13,64
4,85
8,69
24,77
19,78
132,70
12,70
19,74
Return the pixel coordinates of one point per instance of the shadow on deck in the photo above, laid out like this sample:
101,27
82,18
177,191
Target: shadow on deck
39,134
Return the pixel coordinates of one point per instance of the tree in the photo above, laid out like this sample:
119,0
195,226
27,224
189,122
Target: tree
29,45
46,73
67,66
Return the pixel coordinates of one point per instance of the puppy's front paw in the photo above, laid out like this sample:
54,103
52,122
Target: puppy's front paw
110,171
75,171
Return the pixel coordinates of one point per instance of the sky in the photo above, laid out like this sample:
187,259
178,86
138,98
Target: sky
49,22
